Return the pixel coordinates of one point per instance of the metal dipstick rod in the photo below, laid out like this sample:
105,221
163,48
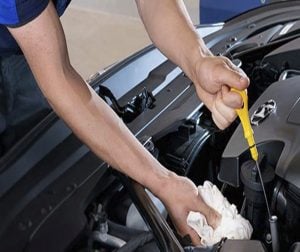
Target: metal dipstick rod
263,188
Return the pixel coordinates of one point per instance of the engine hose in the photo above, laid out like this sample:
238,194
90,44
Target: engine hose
136,242
123,232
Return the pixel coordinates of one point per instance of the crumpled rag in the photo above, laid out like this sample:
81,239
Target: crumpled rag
232,225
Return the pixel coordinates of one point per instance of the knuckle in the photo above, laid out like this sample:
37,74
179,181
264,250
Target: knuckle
222,126
223,58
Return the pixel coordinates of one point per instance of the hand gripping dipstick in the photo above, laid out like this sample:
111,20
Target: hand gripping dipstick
248,134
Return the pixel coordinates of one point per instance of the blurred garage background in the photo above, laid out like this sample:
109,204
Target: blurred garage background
102,32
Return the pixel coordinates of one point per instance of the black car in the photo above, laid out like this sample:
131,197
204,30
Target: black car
56,195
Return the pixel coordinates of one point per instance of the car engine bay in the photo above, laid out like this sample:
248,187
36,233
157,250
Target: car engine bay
55,195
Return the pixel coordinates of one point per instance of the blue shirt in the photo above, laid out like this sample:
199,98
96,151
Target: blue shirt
14,13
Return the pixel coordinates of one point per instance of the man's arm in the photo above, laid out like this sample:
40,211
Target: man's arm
94,122
172,31
91,119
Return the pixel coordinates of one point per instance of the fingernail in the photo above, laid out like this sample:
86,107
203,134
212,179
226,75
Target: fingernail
242,78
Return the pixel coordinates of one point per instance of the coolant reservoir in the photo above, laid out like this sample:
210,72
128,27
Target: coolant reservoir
135,220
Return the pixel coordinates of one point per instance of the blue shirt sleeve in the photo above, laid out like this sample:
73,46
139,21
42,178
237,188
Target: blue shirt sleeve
14,13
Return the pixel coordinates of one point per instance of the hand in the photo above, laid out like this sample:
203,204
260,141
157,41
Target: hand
213,77
181,196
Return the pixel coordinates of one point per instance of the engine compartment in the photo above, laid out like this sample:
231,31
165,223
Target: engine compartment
66,199
270,57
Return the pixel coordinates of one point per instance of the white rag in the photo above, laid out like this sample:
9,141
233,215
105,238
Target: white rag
232,225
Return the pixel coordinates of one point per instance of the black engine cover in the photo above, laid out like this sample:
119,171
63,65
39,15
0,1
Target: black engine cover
278,136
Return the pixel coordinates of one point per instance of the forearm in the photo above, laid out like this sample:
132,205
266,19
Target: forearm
94,122
171,30
89,117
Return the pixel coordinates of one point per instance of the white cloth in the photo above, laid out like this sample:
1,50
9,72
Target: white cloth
232,225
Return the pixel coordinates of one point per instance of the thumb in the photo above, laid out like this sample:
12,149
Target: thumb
195,238
232,76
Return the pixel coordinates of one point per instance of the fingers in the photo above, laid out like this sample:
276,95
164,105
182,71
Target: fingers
213,218
230,75
219,121
222,114
226,102
195,238
183,229
231,99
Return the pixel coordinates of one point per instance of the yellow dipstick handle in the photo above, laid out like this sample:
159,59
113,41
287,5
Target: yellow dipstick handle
244,117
